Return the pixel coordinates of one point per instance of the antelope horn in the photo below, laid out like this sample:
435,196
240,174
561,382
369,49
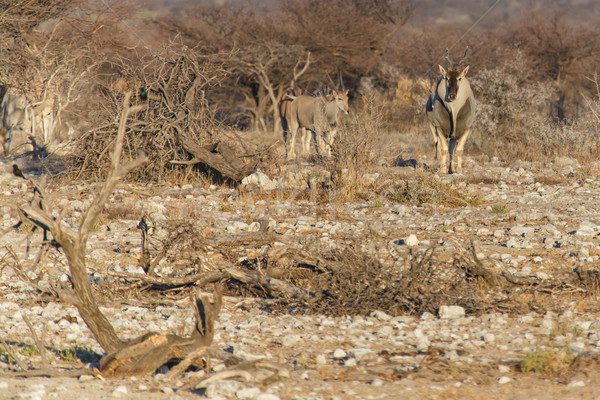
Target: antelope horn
464,55
447,57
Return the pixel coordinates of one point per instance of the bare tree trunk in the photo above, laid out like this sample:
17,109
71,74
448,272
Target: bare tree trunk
74,243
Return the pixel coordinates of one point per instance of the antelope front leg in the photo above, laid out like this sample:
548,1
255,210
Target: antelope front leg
460,144
443,150
329,141
320,144
435,142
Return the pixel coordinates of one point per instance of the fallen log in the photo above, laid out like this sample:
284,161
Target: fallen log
151,350
218,156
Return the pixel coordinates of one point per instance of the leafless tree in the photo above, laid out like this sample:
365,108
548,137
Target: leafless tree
51,49
151,350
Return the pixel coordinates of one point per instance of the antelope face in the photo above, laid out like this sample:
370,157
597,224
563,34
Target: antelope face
340,99
453,80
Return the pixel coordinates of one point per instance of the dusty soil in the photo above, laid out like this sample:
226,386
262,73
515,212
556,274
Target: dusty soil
535,221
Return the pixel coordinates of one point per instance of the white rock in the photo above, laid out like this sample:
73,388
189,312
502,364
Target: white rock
504,368
362,355
587,229
339,353
489,338
120,391
380,315
451,312
377,382
576,384
423,344
350,362
85,378
321,359
290,340
267,396
411,240
504,379
225,389
261,180
548,323
248,393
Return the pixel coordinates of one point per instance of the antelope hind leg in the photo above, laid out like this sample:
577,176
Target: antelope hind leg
305,140
290,141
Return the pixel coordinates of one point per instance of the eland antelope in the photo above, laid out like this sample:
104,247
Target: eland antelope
450,111
284,111
318,114
23,124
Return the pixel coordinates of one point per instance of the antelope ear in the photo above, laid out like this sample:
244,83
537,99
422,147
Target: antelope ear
464,71
442,70
346,92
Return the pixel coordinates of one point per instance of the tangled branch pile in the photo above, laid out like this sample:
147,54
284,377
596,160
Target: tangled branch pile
172,86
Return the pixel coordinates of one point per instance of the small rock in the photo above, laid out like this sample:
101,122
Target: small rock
339,353
380,315
504,379
377,382
504,368
248,393
225,389
167,390
547,323
120,391
451,312
362,355
267,396
489,338
321,359
351,362
410,240
261,180
290,340
85,378
576,384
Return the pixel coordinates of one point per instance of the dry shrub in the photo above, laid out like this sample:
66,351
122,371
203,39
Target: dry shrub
173,85
422,187
553,360
353,151
357,284
514,118
401,100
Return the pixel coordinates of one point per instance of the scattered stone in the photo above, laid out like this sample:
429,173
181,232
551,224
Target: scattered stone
224,388
410,241
267,396
504,379
339,353
85,378
120,391
451,312
504,368
248,393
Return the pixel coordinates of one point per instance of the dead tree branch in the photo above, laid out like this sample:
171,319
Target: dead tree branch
148,352
74,242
